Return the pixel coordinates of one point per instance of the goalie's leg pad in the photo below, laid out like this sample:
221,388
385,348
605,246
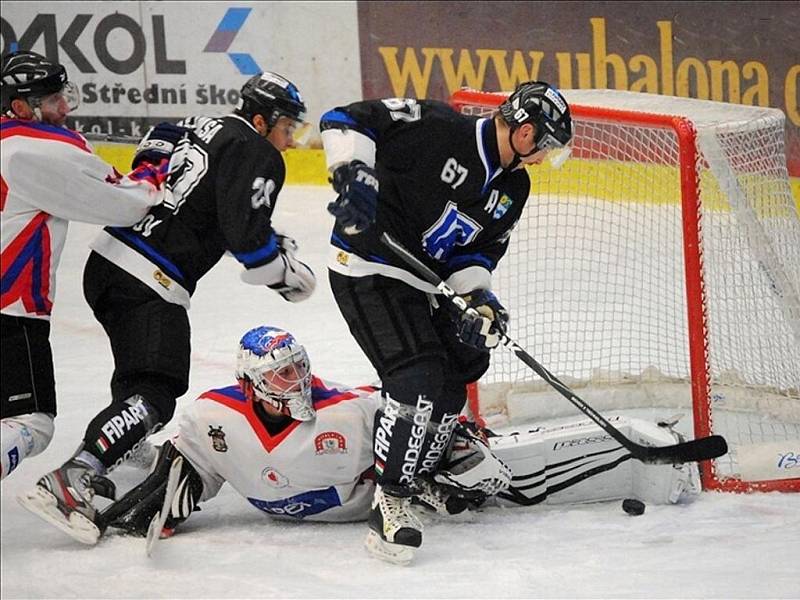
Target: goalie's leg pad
579,462
134,511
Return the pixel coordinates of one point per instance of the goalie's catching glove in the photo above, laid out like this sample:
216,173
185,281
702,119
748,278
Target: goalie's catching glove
357,186
158,144
298,281
484,321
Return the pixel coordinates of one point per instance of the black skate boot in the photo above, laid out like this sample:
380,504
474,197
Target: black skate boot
394,529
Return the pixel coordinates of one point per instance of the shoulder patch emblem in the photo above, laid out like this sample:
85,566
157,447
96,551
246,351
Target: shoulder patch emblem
217,438
502,206
330,442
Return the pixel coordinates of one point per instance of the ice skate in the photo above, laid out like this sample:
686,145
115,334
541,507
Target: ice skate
64,497
394,530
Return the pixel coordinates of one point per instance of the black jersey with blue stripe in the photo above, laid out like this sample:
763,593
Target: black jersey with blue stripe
443,193
223,184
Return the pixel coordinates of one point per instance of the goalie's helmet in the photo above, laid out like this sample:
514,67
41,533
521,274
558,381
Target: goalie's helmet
276,366
272,96
543,105
31,77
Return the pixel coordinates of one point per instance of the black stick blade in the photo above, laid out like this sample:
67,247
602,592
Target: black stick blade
691,451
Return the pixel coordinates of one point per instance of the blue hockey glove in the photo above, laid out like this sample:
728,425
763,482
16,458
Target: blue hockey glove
158,144
357,186
483,322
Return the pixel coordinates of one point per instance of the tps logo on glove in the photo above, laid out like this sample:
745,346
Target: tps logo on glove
357,204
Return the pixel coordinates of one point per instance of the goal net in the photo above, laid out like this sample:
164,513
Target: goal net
658,270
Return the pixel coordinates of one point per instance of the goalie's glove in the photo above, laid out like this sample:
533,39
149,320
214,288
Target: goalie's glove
357,204
134,511
158,144
484,321
298,281
472,471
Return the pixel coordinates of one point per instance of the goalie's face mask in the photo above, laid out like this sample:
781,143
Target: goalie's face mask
278,370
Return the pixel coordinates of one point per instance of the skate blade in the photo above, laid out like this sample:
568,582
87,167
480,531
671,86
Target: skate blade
393,553
44,505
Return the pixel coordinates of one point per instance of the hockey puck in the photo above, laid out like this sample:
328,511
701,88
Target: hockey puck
633,506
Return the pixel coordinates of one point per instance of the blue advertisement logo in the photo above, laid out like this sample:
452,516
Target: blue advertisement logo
223,37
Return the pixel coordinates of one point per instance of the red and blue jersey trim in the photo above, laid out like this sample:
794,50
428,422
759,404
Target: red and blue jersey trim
34,129
322,397
26,268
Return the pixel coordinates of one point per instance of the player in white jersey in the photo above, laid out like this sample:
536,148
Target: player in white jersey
50,176
298,447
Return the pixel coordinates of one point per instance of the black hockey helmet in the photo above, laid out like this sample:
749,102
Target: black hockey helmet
29,75
543,105
272,96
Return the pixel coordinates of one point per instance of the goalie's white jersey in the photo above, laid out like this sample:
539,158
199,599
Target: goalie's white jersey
50,177
320,470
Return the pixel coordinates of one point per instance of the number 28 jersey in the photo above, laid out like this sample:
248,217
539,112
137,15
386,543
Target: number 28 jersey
222,187
443,193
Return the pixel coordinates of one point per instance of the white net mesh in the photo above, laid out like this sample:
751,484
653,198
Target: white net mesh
595,278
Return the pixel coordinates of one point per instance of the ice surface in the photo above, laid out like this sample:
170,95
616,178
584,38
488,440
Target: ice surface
720,546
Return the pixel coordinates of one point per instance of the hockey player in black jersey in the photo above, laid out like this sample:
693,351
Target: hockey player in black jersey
450,188
225,174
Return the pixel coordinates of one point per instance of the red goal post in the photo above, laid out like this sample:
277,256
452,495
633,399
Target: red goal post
679,287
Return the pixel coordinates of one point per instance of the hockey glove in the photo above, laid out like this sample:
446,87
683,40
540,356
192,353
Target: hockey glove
484,321
136,508
472,470
298,279
357,186
158,144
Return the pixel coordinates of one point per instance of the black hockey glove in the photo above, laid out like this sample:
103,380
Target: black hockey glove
481,325
136,508
158,144
357,186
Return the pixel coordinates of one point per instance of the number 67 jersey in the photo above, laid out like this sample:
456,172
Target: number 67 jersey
318,470
444,194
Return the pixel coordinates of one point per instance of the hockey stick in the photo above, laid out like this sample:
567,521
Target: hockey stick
158,520
111,138
693,450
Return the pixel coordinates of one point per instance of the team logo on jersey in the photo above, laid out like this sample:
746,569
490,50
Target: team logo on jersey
217,438
502,207
274,478
451,229
330,442
342,257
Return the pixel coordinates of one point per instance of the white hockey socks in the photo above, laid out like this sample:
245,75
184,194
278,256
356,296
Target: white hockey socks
23,436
